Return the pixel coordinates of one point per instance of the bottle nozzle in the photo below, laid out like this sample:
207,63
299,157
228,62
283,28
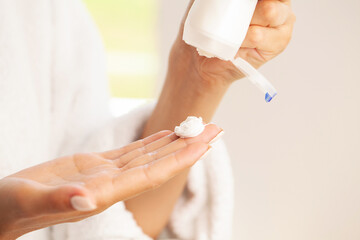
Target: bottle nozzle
256,78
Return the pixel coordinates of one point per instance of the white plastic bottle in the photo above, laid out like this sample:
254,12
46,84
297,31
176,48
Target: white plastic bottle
218,27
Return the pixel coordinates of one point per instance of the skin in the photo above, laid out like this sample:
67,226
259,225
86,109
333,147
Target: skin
195,86
40,196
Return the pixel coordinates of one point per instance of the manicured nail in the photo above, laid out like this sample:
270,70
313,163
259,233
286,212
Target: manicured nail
206,153
215,139
82,204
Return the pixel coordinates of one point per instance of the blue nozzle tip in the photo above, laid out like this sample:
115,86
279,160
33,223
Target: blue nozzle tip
268,97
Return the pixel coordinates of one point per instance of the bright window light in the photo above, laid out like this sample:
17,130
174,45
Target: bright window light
128,28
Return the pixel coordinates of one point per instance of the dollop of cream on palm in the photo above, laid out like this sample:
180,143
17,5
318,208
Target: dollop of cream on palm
191,127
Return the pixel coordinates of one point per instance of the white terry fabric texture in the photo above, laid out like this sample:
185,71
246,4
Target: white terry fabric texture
54,101
205,209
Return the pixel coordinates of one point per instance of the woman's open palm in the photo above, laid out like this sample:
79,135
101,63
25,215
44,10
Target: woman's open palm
75,187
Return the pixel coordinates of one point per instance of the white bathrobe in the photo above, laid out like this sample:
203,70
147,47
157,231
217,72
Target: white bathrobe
54,101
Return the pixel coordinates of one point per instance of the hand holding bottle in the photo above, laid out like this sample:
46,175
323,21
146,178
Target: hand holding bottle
268,35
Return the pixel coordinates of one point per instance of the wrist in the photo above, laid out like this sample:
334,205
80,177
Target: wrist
180,83
185,93
186,65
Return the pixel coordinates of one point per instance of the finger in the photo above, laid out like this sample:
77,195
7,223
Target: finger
68,198
124,159
211,132
156,150
36,200
270,14
268,39
113,154
146,177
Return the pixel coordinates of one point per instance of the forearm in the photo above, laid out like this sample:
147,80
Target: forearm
183,95
195,86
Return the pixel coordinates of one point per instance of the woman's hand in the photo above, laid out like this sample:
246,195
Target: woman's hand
195,86
269,33
72,188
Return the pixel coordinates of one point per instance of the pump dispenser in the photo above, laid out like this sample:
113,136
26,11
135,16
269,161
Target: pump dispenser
217,28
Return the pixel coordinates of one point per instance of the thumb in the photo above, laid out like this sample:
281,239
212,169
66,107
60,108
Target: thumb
62,199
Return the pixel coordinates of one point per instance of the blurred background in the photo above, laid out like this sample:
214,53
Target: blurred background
296,161
129,31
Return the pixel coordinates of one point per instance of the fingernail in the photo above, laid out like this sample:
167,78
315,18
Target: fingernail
206,153
215,139
82,204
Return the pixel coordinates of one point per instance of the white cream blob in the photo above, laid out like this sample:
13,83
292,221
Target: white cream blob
191,127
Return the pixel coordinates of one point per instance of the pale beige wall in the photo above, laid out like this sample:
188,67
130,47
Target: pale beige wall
297,160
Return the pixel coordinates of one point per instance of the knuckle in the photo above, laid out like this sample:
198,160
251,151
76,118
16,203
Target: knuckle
137,145
153,155
270,10
142,151
167,132
177,160
134,145
255,35
124,168
184,142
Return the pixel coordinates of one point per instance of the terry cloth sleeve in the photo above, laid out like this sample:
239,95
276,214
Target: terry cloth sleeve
116,222
81,120
82,123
